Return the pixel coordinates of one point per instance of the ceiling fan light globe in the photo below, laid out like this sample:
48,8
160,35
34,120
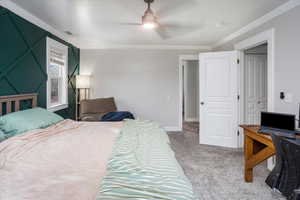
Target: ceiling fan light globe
149,25
149,21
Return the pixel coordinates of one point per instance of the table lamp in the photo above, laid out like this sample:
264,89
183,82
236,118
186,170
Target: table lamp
83,85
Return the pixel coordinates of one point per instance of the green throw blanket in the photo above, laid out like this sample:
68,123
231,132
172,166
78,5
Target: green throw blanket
143,166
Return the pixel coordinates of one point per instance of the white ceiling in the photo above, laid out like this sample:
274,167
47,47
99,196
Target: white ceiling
198,22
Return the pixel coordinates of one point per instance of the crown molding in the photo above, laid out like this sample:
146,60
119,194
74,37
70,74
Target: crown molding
260,21
33,19
188,57
162,47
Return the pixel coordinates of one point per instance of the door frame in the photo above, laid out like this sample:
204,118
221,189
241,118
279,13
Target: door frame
261,38
182,58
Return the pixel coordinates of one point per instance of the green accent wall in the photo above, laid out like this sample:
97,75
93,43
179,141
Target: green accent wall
23,60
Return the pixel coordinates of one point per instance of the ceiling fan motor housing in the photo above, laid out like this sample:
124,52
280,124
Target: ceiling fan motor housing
149,1
149,16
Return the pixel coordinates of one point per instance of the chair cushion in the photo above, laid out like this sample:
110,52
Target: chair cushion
90,117
101,105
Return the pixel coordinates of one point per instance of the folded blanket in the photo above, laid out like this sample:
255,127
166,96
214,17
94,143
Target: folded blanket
117,116
143,166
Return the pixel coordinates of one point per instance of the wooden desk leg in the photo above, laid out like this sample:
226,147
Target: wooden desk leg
248,154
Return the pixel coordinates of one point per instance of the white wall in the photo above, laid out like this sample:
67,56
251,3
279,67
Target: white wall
145,82
287,59
191,90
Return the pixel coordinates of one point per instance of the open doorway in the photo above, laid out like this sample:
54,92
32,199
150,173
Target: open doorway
189,84
266,37
255,83
190,109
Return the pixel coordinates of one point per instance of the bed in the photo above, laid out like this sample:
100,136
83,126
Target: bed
65,159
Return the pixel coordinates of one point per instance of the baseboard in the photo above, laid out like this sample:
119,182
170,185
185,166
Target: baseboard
191,120
172,129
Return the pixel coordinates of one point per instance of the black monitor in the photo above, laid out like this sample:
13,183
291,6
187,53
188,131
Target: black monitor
299,117
278,120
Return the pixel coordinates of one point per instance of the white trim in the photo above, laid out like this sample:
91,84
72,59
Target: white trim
34,19
63,48
192,120
189,57
182,58
93,45
256,40
267,17
180,108
264,37
172,129
240,139
58,107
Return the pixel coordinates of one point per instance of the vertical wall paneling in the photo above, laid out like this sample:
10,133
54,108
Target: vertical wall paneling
23,60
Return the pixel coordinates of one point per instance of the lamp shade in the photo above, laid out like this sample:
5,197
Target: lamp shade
83,81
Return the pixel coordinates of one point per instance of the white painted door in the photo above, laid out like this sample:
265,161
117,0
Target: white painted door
218,99
255,87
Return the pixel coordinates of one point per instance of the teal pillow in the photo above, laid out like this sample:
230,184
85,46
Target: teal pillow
2,136
27,120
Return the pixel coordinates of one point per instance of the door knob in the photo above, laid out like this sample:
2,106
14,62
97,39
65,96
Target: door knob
202,103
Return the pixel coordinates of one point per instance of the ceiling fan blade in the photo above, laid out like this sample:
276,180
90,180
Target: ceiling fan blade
167,31
121,24
130,24
135,9
162,32
168,9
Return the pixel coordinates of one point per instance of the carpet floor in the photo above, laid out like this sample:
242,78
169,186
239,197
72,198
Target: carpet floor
217,173
190,127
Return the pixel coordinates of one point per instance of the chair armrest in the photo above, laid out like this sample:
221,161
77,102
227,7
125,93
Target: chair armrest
87,118
296,194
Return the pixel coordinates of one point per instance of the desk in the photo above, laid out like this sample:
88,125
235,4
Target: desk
257,148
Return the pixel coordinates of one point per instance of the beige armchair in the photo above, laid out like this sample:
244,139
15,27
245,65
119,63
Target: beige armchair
95,109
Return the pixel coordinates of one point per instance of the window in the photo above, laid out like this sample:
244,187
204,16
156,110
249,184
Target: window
57,71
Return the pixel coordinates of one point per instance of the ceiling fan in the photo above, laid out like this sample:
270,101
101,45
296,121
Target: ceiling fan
165,31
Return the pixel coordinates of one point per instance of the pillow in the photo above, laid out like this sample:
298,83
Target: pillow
2,136
27,120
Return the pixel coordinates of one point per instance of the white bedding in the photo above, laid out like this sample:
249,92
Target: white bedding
52,164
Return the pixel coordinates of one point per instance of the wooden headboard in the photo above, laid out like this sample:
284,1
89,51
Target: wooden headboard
16,101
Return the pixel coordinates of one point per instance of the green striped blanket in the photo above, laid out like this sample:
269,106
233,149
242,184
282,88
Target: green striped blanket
143,166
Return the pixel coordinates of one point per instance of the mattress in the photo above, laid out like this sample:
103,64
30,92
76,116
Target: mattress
92,161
